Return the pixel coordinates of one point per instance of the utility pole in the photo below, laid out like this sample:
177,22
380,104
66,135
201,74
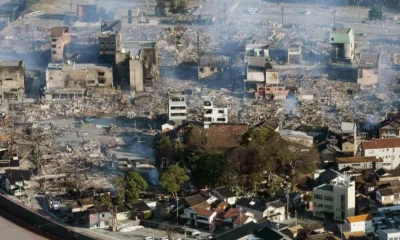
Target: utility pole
282,8
334,17
177,211
382,20
240,211
287,206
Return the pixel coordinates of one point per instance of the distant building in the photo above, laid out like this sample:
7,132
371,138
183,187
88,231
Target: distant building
390,128
88,13
212,113
361,223
212,66
225,194
386,149
259,209
388,234
60,37
110,40
336,200
177,110
277,91
295,52
127,16
368,69
359,162
73,79
137,65
256,50
342,44
297,137
12,79
99,217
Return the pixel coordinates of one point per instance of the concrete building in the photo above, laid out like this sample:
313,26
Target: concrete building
212,113
213,67
137,65
277,91
359,163
388,234
342,44
256,50
295,52
88,13
387,149
336,200
177,107
72,79
368,69
60,37
99,217
12,79
109,40
361,223
127,16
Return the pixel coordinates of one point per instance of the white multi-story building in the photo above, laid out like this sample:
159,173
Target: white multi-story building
335,200
389,234
387,149
177,107
361,223
213,114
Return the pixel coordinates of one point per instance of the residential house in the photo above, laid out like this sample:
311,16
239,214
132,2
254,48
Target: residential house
336,200
141,210
361,223
72,80
387,149
270,210
388,234
12,76
197,211
359,163
390,127
388,196
328,152
86,203
213,67
99,217
348,146
123,213
242,219
225,194
256,50
236,217
368,69
342,44
60,37
384,175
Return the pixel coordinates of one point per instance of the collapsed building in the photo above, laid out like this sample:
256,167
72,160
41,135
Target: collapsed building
137,65
60,37
12,79
368,68
213,66
342,44
71,80
109,40
295,52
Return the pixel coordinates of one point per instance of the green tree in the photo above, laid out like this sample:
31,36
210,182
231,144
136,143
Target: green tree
181,7
207,168
164,147
196,140
134,183
160,8
172,178
119,184
375,13
106,200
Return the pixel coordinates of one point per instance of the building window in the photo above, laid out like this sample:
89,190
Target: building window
101,73
207,119
53,46
221,119
212,69
91,81
178,108
332,39
208,111
201,70
328,198
102,81
8,79
54,52
103,215
220,111
54,40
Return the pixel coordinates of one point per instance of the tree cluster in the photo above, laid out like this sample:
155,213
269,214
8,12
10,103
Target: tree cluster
375,13
128,188
178,6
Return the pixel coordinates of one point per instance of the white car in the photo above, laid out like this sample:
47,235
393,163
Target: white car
394,18
164,238
148,238
307,12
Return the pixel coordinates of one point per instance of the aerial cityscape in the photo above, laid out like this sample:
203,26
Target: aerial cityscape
200,119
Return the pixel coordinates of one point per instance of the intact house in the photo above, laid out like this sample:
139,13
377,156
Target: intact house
359,163
12,79
387,149
236,217
336,200
213,67
388,196
388,233
136,65
225,194
342,44
390,128
197,211
213,113
99,217
270,210
368,69
15,181
109,40
361,223
60,37
72,80
141,210
385,175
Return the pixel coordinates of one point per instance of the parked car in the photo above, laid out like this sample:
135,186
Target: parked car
164,238
307,12
193,233
148,238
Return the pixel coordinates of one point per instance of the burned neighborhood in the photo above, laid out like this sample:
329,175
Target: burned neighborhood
209,119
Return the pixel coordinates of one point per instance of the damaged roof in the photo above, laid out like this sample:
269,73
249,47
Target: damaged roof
213,60
369,60
58,31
